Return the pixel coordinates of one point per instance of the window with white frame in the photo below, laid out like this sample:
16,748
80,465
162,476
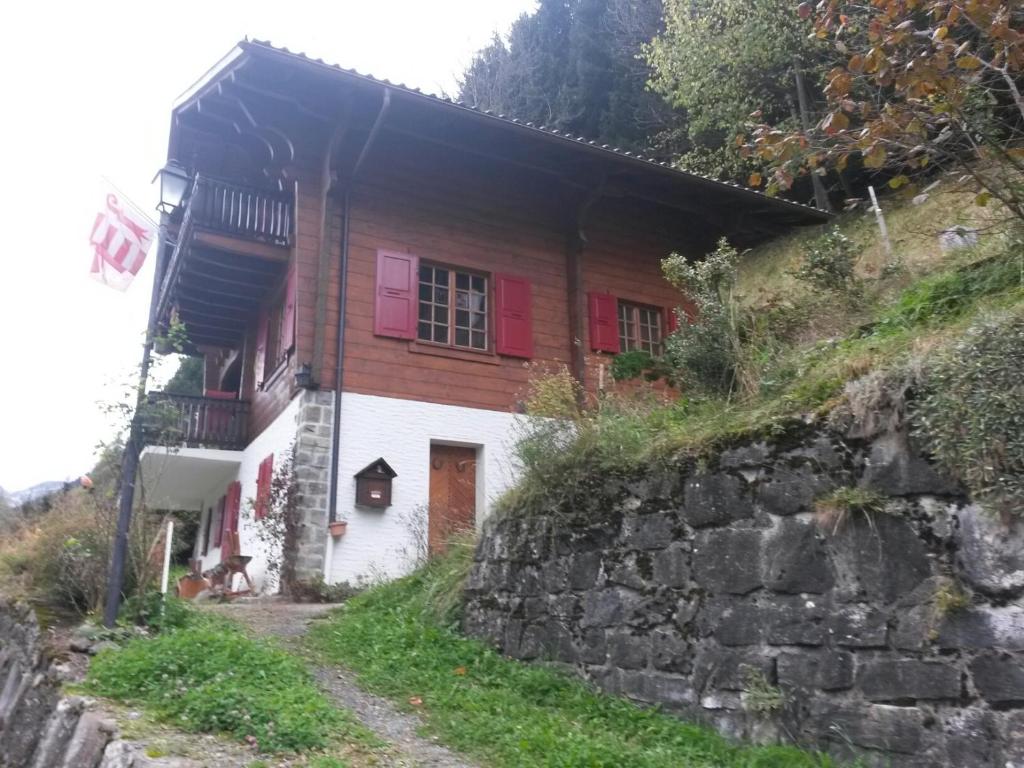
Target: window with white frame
452,308
639,328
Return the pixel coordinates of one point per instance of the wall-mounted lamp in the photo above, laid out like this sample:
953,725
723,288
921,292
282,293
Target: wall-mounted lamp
174,184
304,377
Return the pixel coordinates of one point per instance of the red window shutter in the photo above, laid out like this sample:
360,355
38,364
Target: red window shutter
263,480
287,340
260,363
396,304
604,322
513,316
218,531
671,320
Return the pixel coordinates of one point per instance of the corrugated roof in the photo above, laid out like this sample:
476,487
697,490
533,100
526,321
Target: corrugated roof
577,142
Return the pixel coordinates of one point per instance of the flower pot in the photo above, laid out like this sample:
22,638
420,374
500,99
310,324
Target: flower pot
337,528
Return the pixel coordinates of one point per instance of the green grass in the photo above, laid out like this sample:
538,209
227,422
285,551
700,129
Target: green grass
503,712
210,677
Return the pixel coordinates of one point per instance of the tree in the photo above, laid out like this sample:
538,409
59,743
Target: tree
721,61
574,66
188,379
917,86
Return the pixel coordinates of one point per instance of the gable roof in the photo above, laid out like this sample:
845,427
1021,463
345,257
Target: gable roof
641,169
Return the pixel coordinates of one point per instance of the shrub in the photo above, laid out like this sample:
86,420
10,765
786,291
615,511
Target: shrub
210,677
705,351
157,612
62,556
637,364
552,395
828,263
970,412
277,530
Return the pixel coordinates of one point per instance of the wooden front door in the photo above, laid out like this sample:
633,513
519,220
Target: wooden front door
452,493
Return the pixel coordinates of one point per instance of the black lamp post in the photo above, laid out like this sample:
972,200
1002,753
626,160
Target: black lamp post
174,184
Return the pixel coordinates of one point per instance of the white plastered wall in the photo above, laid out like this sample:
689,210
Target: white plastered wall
381,543
277,439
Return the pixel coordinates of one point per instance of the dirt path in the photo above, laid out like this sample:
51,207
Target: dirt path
290,621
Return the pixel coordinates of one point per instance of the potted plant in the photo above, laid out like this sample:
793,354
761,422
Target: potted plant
337,528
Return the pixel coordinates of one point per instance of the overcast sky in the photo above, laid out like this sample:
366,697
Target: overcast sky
87,90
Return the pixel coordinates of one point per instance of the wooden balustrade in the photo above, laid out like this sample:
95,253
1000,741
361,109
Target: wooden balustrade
198,422
241,211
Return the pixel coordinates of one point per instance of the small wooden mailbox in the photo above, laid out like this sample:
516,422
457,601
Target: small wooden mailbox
373,484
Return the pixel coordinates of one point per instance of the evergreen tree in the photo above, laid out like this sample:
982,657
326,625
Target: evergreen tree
575,66
188,379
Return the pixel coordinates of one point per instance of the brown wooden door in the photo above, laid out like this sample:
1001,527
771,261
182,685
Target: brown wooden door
452,493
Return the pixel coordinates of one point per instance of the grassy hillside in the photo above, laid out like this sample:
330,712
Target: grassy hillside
799,346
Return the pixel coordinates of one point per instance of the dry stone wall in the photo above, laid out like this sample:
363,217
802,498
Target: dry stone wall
717,592
39,727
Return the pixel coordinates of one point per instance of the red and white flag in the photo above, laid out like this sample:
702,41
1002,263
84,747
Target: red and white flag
120,240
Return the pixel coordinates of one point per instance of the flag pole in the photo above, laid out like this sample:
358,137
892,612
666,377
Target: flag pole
132,449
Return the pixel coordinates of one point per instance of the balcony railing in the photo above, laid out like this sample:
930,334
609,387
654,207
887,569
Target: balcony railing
198,422
241,211
223,208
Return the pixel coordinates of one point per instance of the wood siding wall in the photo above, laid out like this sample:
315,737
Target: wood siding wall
461,212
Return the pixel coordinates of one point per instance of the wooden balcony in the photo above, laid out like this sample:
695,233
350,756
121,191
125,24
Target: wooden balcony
241,212
196,422
232,247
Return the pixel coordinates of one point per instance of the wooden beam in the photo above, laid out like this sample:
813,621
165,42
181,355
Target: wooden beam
223,287
242,247
213,299
199,337
186,305
236,263
217,275
577,307
232,326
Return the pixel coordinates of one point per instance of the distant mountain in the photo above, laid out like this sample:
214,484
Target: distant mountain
17,498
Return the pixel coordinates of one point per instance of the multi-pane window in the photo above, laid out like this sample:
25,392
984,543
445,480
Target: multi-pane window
452,308
639,328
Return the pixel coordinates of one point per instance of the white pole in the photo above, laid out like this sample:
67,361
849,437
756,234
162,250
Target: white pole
167,557
880,218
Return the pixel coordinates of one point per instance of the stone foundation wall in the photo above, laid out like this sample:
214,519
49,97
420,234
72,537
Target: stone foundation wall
314,427
718,592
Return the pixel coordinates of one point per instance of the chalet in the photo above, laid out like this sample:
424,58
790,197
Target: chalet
371,273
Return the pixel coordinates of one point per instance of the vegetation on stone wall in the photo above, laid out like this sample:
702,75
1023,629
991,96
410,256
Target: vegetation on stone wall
970,412
791,349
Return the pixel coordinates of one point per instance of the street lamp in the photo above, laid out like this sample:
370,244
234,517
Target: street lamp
174,183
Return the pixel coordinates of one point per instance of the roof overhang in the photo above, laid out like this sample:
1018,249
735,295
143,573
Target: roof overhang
574,159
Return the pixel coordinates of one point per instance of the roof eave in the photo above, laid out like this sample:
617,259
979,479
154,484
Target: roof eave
512,124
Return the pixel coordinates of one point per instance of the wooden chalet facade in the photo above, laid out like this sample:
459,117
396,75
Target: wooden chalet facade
345,234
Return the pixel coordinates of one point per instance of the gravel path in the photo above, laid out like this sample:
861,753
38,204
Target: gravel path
290,621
